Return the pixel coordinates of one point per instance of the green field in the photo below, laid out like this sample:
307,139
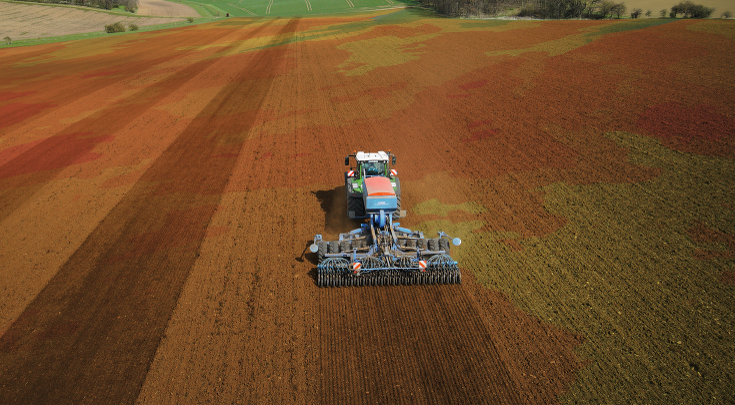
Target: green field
288,8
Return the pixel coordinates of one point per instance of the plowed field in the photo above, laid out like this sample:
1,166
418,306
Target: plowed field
22,21
159,191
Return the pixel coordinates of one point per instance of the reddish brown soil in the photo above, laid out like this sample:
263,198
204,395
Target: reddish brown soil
451,345
698,129
160,191
135,246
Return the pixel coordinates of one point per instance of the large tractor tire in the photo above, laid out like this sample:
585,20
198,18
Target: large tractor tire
398,197
355,207
444,245
345,246
321,253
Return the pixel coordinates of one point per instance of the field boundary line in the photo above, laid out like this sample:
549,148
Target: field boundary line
308,5
268,9
350,3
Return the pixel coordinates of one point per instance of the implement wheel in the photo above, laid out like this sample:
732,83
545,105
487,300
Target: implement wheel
322,250
444,245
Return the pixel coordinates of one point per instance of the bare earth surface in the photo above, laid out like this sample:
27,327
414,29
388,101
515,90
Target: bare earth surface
25,21
163,8
159,191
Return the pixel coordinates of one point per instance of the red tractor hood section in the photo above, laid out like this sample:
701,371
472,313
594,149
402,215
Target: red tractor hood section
379,186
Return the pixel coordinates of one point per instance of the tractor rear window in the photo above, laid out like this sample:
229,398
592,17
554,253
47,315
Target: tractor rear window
374,168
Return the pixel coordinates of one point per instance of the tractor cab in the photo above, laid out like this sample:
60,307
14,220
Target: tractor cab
372,186
372,164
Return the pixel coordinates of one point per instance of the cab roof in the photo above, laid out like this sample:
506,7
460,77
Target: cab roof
363,157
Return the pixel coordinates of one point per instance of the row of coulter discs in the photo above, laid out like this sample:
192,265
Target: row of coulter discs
337,274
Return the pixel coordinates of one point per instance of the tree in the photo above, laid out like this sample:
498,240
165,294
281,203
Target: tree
648,13
691,10
677,9
130,5
551,8
663,13
7,40
726,14
700,11
606,7
619,9
576,8
636,13
590,7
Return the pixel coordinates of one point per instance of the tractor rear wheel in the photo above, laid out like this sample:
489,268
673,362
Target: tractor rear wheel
322,250
356,206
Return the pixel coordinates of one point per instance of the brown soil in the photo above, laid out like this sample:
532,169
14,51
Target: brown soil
163,8
166,246
26,21
160,192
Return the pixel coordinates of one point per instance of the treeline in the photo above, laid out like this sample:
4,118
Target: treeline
555,9
128,5
564,9
691,10
468,8
550,9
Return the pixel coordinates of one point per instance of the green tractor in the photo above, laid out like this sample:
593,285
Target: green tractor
372,185
381,252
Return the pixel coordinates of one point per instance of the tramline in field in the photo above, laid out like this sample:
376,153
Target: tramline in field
381,252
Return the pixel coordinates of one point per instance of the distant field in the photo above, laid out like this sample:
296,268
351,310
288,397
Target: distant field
163,8
22,21
252,8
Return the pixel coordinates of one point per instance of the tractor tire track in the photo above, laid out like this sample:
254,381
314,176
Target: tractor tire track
97,71
244,9
91,334
409,345
23,176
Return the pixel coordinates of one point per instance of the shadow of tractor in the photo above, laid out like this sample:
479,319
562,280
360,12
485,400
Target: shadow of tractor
334,205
